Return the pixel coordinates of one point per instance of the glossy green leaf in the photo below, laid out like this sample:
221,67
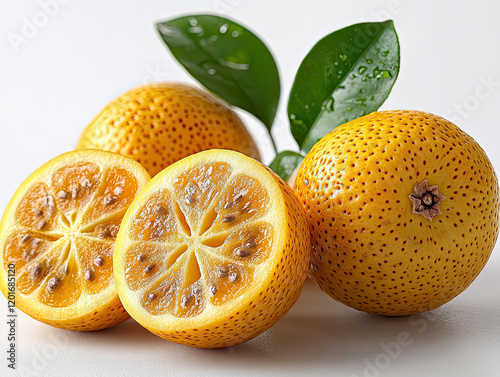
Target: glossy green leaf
227,59
285,163
347,74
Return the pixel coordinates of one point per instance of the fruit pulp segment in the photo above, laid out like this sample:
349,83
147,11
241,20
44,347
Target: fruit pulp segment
74,186
199,243
64,230
118,191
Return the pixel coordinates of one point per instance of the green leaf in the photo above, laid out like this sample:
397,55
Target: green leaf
227,59
285,163
347,74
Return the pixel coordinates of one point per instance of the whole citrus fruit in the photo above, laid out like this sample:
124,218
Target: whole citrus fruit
57,236
403,208
159,124
213,251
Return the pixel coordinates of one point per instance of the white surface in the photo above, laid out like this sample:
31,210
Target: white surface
88,52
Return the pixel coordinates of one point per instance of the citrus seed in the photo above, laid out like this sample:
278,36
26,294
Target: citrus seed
141,257
233,276
25,238
223,271
105,234
242,252
213,290
149,268
36,271
53,284
152,296
161,211
187,301
89,274
39,212
99,261
110,200
228,218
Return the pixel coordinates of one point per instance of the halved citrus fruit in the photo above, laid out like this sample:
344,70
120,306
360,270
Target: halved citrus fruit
57,236
213,251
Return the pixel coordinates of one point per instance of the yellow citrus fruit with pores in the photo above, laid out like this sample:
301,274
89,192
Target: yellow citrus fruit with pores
403,209
57,236
159,124
213,251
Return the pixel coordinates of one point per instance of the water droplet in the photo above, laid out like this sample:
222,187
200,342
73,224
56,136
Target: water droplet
292,116
306,107
328,105
336,63
362,90
193,21
349,109
361,69
385,53
369,61
361,100
236,66
211,71
381,74
235,34
223,29
195,30
343,57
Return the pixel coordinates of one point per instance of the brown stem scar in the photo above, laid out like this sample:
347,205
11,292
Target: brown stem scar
426,200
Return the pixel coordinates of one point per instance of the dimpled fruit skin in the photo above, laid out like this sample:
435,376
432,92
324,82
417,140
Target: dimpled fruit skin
158,124
257,307
369,250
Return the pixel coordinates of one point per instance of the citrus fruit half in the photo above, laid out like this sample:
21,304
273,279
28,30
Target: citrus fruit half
57,236
159,124
403,208
213,251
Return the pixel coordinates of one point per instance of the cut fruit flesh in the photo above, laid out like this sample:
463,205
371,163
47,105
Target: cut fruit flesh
59,231
203,242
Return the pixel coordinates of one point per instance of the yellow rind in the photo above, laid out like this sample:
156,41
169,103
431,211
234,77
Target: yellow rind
158,124
94,312
273,293
370,251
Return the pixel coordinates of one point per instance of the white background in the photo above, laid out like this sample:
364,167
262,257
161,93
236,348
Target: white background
88,52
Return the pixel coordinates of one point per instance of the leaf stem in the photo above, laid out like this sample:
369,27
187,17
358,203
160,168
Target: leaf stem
273,143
